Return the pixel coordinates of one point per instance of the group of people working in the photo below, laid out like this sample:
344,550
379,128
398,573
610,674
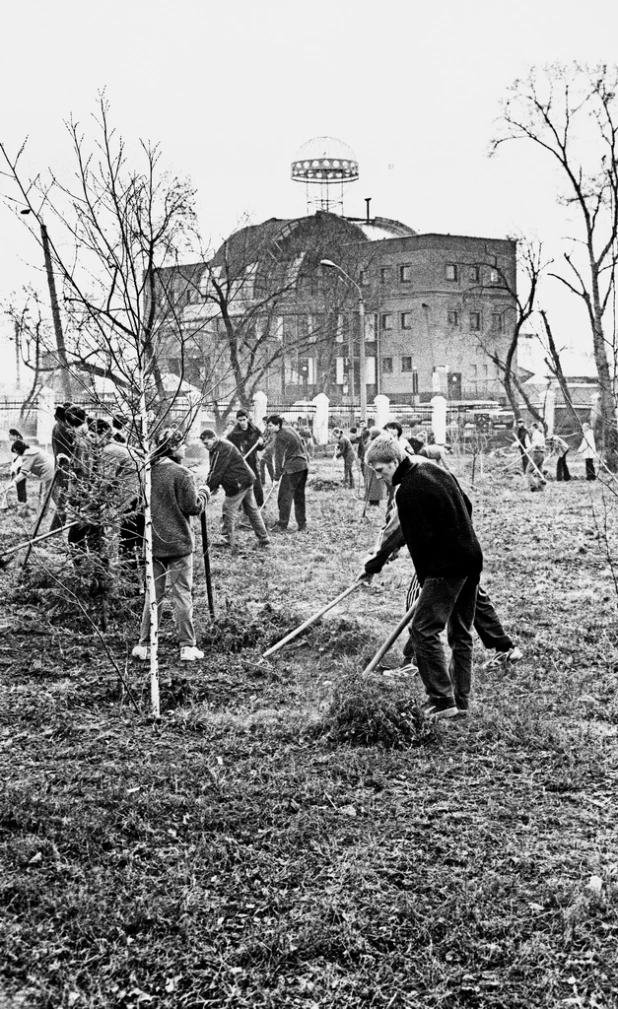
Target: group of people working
428,512
534,447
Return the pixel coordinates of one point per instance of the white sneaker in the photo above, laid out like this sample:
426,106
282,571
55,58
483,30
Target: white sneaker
514,655
140,652
189,653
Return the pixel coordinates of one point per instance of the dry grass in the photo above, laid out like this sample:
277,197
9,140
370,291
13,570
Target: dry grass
290,835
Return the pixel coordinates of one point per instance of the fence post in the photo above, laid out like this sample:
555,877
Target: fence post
382,404
438,419
260,408
320,418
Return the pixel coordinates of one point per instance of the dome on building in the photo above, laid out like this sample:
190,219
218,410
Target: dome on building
323,160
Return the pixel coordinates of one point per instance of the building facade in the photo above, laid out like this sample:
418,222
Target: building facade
268,313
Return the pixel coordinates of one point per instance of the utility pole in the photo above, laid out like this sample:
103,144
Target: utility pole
361,342
53,297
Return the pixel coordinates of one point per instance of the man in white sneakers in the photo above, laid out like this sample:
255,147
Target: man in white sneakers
174,500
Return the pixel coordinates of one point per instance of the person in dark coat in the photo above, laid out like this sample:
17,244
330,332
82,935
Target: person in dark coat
247,438
434,514
291,467
174,499
229,470
345,451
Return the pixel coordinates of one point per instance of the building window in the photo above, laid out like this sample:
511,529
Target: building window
494,277
387,366
475,370
406,364
386,321
406,320
384,271
496,322
278,327
475,274
452,318
415,382
371,322
452,273
405,274
475,322
362,278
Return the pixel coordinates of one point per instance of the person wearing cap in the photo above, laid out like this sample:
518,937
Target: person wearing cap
247,438
174,499
20,487
291,468
229,470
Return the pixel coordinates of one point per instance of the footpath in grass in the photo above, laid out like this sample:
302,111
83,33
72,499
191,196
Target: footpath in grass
291,834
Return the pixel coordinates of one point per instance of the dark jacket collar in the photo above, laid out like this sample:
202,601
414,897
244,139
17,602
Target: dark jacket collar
405,467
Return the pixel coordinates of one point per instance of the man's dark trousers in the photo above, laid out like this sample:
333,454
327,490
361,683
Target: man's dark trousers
445,602
292,489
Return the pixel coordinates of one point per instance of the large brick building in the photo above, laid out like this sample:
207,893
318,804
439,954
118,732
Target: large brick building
265,313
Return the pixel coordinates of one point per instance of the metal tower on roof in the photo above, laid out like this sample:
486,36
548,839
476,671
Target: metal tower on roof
326,166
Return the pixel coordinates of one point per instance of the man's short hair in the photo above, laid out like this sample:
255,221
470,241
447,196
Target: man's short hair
394,425
384,449
337,430
276,419
241,413
207,434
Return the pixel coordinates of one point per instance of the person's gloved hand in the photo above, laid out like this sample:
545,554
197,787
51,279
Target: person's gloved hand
364,577
205,492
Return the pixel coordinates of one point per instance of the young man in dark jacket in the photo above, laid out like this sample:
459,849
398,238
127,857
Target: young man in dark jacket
174,499
434,515
248,440
291,467
229,470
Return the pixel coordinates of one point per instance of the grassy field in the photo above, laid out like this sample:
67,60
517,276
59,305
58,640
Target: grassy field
291,834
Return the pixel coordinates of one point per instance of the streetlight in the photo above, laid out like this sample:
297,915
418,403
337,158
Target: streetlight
55,310
361,342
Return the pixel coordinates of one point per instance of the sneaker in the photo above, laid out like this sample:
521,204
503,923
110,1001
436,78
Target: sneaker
407,669
277,528
265,544
501,658
140,652
514,655
189,653
440,709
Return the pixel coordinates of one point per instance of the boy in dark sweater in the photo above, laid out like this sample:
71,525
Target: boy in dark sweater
174,499
434,515
291,467
248,440
229,470
346,452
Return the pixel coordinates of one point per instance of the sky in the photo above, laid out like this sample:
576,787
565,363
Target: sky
232,90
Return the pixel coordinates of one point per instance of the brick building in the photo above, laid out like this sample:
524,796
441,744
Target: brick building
265,313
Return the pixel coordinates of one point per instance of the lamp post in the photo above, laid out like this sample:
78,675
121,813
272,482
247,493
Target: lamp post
361,342
55,310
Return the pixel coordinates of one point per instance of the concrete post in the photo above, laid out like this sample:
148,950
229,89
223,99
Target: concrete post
438,419
549,413
320,418
382,404
260,408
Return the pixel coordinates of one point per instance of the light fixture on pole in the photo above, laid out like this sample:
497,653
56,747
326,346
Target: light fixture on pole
361,343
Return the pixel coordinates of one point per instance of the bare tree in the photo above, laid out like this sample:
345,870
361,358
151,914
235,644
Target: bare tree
513,319
264,303
114,226
570,112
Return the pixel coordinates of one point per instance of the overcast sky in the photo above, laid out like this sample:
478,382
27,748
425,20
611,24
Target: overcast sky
232,90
